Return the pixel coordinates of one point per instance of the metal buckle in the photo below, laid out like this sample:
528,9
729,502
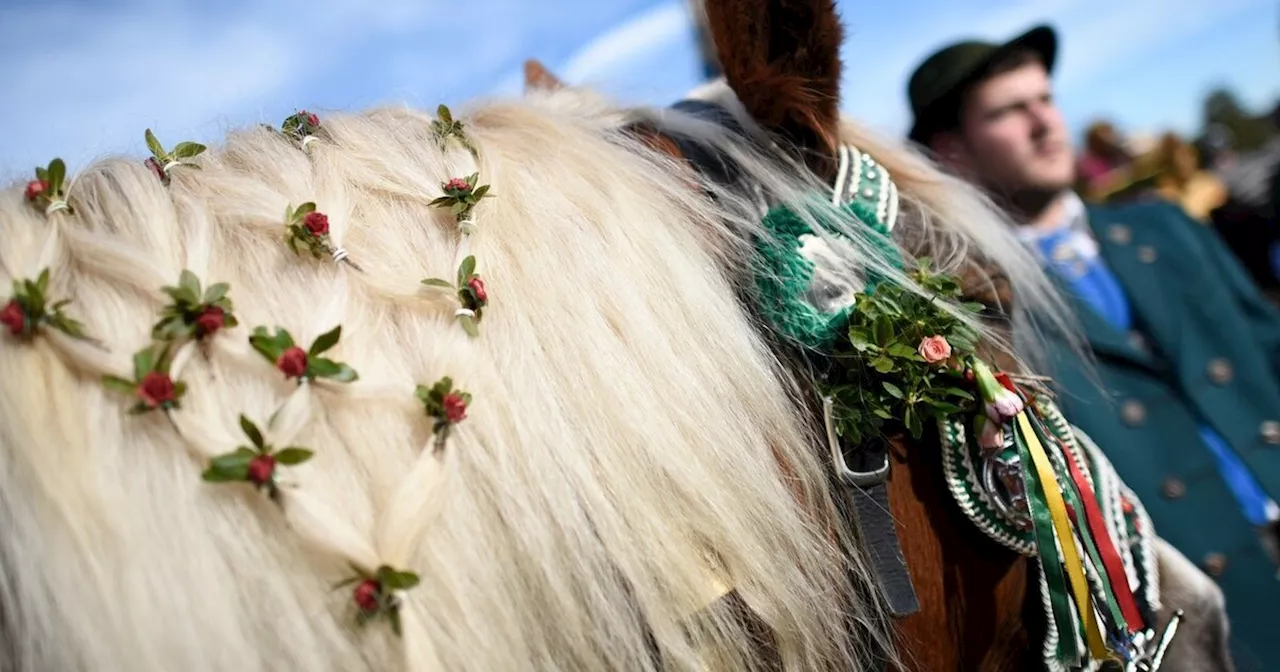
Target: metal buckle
1150,661
862,479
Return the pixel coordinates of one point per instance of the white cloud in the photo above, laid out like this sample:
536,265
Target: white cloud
633,40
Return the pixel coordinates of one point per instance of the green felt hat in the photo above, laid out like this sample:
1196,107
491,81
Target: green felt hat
944,76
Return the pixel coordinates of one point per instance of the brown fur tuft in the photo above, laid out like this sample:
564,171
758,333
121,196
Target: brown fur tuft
782,59
538,77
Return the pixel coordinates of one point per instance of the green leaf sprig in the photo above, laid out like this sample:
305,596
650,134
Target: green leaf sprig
446,127
256,463
461,195
445,405
194,312
280,349
152,384
49,190
375,594
881,384
301,125
471,292
162,161
28,310
307,229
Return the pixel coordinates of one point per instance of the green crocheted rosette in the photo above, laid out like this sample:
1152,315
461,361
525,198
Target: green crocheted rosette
784,275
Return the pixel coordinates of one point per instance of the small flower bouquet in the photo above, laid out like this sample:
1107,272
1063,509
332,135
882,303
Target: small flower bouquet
162,161
28,310
49,190
375,595
193,312
299,364
256,464
470,291
152,384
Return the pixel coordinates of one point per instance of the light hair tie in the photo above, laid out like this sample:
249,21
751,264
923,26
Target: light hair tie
467,226
340,254
57,205
464,312
307,139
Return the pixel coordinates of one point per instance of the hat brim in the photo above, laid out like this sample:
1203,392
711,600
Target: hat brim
1041,40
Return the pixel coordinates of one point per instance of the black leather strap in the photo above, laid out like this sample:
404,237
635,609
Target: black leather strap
869,504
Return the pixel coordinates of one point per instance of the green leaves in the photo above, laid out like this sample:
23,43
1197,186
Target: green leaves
471,293
49,187
301,125
28,310
461,195
166,160
375,595
194,312
883,385
309,364
443,404
254,464
445,127
300,235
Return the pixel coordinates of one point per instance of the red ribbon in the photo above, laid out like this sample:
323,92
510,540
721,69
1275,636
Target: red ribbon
1106,549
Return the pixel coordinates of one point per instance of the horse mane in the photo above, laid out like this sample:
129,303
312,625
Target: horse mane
620,457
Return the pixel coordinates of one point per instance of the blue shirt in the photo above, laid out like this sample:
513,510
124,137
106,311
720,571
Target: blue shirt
1071,252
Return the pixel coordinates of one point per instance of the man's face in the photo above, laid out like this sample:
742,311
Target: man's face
1012,137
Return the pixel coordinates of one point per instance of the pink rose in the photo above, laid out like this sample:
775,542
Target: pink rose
990,434
934,349
456,184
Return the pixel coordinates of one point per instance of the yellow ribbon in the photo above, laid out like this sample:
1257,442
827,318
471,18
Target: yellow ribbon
1062,527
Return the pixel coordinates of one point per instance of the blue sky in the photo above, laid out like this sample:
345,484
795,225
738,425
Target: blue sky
83,78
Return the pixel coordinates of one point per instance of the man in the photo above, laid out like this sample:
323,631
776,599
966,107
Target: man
1184,394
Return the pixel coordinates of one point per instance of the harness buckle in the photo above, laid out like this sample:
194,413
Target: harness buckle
861,479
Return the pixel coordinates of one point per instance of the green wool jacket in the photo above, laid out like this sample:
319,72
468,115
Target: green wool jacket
1206,350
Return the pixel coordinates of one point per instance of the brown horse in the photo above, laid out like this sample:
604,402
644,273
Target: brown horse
978,607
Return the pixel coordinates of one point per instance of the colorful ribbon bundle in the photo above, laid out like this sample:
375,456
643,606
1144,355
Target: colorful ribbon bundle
1094,611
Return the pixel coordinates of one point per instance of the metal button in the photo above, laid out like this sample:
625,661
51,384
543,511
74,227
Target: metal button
1220,371
1214,564
1120,234
1173,488
1133,413
1271,432
1147,254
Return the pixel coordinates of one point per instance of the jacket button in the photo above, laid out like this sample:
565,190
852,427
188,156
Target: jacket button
1120,234
1133,413
1271,432
1173,488
1214,564
1147,254
1137,341
1220,371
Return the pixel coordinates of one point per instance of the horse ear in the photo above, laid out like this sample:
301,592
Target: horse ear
782,60
537,76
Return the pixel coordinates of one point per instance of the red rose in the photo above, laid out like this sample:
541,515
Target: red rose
293,362
155,167
317,223
261,468
35,188
210,321
457,184
156,389
312,120
13,317
366,595
1003,379
455,409
477,287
